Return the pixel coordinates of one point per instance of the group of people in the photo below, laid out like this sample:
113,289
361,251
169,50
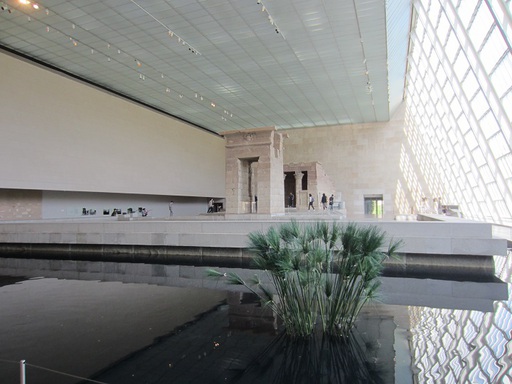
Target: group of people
324,200
291,198
311,201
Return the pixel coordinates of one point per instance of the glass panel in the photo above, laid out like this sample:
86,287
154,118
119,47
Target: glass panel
463,124
479,105
493,50
434,10
455,107
505,164
470,85
481,25
506,102
471,140
466,10
489,126
498,145
486,174
502,76
461,66
478,156
452,48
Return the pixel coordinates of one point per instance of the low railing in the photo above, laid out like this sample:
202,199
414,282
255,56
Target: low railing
23,377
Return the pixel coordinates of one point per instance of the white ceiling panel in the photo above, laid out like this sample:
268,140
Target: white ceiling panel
283,63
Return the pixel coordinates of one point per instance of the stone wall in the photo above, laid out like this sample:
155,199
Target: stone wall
361,160
16,204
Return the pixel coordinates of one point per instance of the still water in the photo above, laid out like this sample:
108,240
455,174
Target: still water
134,323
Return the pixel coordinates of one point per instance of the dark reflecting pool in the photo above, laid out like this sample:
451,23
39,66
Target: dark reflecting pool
140,323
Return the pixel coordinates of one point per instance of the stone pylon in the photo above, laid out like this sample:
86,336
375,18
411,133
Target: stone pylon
254,171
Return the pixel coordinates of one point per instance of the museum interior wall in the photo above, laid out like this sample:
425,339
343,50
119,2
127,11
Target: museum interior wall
61,135
361,160
449,143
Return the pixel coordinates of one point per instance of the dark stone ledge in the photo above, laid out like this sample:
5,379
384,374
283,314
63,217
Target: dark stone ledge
453,267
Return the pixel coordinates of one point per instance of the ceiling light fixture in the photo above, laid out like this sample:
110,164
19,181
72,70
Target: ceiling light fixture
26,2
4,7
169,31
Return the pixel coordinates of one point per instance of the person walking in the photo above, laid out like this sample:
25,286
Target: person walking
324,201
210,206
311,202
331,202
170,208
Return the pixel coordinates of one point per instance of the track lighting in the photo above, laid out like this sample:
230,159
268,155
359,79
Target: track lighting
170,33
106,51
270,18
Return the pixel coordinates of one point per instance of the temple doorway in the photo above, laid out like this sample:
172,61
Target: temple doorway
289,187
249,184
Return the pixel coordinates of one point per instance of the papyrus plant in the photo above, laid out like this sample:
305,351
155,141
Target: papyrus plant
321,273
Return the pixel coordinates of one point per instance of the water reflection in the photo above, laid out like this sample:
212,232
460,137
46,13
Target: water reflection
315,360
80,327
426,331
217,349
366,357
454,346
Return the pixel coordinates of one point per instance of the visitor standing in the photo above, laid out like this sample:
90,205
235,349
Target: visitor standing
290,200
311,202
324,201
331,202
170,208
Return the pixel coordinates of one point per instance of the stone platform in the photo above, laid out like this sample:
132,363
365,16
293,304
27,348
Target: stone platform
455,247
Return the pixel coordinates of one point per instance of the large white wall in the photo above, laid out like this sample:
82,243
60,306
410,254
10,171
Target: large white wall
58,134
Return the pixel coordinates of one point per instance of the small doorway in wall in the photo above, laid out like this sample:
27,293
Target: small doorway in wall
374,206
248,185
289,187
